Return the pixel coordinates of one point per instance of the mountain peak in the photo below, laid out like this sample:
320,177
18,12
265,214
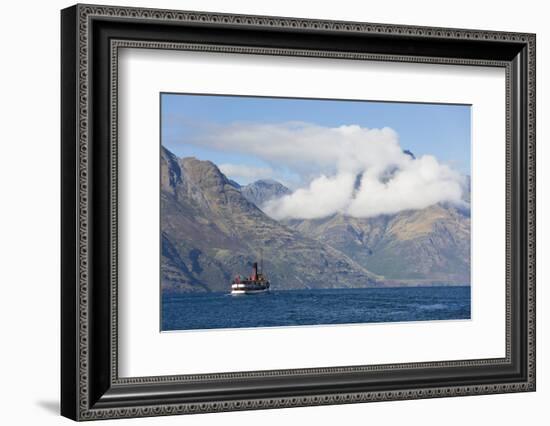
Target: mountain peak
264,190
409,153
205,173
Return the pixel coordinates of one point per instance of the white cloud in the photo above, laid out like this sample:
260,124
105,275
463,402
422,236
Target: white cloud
330,160
323,197
421,183
306,149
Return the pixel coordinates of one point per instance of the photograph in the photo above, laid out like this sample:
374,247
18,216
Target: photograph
278,212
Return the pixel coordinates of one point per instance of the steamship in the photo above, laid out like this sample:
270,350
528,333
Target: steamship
255,283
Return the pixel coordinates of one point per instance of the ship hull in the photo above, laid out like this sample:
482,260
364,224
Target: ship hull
250,291
249,288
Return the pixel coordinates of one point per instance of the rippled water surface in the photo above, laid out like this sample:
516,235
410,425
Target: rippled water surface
313,307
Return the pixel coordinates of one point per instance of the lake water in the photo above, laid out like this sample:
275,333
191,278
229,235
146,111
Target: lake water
313,307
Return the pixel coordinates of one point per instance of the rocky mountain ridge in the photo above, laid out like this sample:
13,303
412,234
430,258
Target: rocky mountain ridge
264,190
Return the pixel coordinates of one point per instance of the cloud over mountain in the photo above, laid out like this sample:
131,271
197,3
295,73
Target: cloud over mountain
348,169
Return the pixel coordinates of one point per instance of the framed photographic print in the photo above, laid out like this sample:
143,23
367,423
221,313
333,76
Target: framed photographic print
263,212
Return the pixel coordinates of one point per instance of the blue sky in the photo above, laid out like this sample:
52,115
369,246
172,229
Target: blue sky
440,130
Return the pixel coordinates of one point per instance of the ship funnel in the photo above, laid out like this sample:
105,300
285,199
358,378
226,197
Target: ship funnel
255,266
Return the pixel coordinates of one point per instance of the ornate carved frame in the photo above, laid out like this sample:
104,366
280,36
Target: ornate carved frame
91,38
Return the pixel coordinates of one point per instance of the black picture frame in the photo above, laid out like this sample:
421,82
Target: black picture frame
90,386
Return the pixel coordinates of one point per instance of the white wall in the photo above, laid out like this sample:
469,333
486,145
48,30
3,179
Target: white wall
29,225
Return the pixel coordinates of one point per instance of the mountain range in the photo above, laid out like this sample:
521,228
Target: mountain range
427,246
213,229
211,232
